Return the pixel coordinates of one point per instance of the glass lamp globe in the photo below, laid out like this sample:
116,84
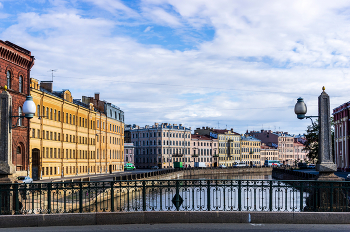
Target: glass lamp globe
29,107
300,108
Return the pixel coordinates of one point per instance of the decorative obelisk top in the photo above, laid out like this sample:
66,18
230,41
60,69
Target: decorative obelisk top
323,88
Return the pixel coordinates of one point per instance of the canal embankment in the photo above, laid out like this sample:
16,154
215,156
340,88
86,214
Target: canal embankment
290,174
168,174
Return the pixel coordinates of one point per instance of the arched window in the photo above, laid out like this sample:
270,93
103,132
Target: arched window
20,83
19,114
9,79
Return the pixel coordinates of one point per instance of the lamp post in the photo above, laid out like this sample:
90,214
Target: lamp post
28,110
325,164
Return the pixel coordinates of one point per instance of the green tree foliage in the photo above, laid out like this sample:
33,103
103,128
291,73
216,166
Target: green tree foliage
311,144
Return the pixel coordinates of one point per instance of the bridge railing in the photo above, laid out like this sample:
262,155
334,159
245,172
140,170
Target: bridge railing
174,195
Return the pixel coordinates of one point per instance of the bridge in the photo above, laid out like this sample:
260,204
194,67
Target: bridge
157,200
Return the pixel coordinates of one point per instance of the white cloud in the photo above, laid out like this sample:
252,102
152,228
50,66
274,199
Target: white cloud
114,6
244,86
160,16
147,29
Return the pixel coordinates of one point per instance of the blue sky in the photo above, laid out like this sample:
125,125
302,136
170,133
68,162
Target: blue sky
197,62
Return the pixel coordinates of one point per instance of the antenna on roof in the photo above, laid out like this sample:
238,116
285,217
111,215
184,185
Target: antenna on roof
218,125
52,70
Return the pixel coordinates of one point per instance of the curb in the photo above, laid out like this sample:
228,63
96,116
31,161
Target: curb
118,218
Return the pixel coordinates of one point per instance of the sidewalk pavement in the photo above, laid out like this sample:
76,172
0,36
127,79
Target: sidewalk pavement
172,227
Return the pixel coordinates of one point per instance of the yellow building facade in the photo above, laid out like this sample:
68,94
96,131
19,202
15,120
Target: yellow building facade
229,148
71,138
250,150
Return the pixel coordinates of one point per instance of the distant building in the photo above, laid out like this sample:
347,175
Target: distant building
160,144
204,149
281,140
250,150
129,153
300,155
341,136
268,153
229,144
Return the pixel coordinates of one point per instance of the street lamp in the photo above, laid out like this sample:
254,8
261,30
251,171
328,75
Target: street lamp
325,164
28,109
300,110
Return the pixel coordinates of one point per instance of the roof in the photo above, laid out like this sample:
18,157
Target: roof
250,138
268,147
201,137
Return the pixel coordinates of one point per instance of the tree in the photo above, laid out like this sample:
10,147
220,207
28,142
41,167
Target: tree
311,144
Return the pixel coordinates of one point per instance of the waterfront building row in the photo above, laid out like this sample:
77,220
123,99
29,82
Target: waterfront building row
154,145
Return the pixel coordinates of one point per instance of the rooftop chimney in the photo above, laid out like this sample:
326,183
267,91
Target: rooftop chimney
97,96
46,85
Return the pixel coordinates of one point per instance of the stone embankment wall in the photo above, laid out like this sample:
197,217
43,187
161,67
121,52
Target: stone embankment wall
289,174
187,173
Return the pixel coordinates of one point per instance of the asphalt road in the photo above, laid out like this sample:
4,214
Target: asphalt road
191,227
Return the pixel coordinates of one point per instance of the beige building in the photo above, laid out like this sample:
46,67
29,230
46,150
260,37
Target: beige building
160,144
228,142
268,153
299,154
281,140
69,137
204,149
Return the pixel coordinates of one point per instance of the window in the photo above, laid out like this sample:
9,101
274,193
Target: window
55,115
38,111
20,84
9,79
19,114
33,133
59,116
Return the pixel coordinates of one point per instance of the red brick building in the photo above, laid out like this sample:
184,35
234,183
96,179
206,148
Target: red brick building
15,65
341,137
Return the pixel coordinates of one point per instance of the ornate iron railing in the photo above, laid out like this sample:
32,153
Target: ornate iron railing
174,195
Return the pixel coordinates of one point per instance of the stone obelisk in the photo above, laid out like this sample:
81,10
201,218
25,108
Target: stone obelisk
6,166
325,164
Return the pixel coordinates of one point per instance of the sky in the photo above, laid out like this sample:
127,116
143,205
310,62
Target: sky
237,64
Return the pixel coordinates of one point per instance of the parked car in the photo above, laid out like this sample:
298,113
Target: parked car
155,167
24,180
311,166
222,166
240,164
129,167
347,177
